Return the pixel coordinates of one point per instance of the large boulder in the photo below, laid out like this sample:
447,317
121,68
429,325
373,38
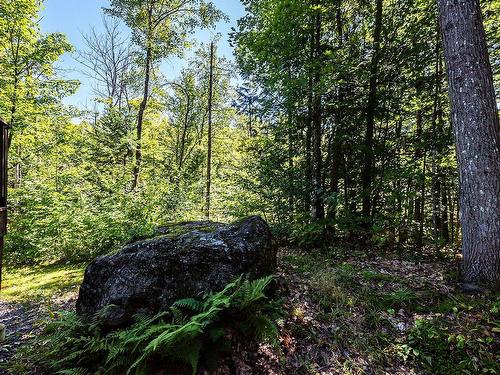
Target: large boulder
185,260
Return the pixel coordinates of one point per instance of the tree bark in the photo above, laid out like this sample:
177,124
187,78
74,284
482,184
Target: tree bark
140,117
318,207
436,149
367,174
420,182
445,233
309,129
209,141
477,135
335,146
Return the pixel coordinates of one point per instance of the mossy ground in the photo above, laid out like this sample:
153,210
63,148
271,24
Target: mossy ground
38,283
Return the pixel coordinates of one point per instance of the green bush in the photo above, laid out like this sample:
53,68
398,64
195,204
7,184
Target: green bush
309,235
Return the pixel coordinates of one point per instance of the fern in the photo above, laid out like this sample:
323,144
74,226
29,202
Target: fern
74,371
251,291
178,317
190,304
264,328
72,345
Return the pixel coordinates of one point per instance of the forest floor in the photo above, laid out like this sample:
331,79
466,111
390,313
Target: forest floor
29,296
342,314
351,313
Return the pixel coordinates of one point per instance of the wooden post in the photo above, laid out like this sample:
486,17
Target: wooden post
4,146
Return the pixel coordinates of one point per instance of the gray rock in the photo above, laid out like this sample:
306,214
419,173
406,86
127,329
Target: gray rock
188,261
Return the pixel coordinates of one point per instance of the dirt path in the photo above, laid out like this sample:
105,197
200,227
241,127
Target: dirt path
20,322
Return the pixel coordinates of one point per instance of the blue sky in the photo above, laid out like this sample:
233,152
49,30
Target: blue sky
74,17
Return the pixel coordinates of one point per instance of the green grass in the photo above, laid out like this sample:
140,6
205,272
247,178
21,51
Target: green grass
301,264
32,284
377,276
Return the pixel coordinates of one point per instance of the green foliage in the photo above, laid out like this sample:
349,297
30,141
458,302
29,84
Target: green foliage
390,316
71,200
72,344
29,87
49,226
308,235
164,26
436,347
304,61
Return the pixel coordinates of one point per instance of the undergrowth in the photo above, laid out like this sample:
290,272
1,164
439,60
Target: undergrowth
396,317
456,343
191,332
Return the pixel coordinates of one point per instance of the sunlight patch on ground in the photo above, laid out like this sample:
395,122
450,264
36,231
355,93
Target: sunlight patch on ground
31,284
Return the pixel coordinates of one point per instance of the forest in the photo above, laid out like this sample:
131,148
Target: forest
315,191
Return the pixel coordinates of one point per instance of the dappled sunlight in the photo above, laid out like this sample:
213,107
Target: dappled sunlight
32,284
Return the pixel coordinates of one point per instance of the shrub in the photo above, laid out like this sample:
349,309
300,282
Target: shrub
78,345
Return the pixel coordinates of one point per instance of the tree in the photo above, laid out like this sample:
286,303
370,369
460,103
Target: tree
108,61
160,29
368,173
474,115
210,132
27,76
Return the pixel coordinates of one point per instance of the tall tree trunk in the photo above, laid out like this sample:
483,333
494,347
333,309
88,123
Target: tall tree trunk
420,183
445,232
318,207
308,150
185,127
140,117
290,106
335,146
13,111
401,230
477,135
420,241
339,24
335,160
368,167
445,192
291,193
452,218
209,142
15,45
436,149
4,148
309,129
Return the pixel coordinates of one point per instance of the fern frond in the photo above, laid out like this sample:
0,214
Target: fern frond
264,327
74,371
72,344
177,316
250,292
190,304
